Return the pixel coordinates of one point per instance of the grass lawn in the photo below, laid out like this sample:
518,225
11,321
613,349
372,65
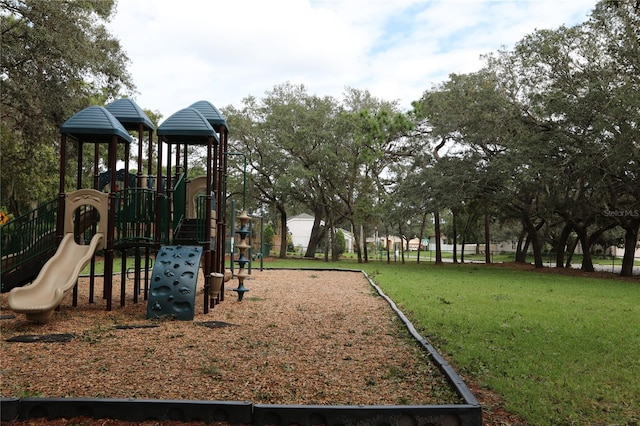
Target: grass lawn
117,266
560,349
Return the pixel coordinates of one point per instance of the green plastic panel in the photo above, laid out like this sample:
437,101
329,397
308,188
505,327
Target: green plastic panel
173,283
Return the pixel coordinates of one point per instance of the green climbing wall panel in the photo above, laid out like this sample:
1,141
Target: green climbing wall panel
173,283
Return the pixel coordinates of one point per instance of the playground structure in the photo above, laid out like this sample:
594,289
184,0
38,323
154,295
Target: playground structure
166,214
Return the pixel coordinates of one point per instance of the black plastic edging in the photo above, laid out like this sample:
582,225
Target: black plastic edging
133,410
361,415
238,413
444,366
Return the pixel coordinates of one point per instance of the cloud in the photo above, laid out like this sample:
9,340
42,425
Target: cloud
187,50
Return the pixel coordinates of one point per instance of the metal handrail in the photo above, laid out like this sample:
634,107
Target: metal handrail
28,236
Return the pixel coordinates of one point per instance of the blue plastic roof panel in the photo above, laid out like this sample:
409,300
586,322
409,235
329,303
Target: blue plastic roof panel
211,113
129,114
95,124
187,126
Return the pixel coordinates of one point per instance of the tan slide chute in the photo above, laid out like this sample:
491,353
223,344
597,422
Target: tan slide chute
59,275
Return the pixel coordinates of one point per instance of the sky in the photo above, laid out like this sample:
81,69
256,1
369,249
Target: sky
184,51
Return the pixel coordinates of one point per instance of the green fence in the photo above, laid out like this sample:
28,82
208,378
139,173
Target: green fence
28,236
135,215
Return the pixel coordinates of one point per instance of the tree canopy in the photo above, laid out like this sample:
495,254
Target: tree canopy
57,58
545,136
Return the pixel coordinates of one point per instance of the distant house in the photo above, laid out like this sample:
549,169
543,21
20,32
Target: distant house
300,227
415,244
392,242
349,240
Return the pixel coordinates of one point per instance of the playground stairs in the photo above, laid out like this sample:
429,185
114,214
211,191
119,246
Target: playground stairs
187,233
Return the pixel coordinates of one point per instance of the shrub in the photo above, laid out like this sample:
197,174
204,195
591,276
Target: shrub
268,234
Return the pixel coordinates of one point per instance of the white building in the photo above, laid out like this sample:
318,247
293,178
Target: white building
300,227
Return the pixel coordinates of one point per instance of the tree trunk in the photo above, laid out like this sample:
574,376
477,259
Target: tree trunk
283,232
521,253
401,241
422,226
386,242
630,241
316,232
327,241
525,249
532,230
561,244
356,241
571,250
455,237
587,241
436,219
487,240
587,262
13,206
364,247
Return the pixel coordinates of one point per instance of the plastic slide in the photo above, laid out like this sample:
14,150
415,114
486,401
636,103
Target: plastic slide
57,277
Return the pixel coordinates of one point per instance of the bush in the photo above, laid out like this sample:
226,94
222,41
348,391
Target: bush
268,234
341,242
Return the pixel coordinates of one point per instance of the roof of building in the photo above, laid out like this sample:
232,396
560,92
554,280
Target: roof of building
301,216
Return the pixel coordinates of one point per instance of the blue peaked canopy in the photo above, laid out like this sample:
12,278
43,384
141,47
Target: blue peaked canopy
211,113
129,114
95,124
187,126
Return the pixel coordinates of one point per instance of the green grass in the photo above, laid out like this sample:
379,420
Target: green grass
117,266
559,349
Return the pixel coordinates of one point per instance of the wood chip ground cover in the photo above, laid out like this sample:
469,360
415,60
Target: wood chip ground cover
298,337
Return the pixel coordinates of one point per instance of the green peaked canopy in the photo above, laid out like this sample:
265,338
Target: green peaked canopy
211,113
95,124
129,114
187,126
